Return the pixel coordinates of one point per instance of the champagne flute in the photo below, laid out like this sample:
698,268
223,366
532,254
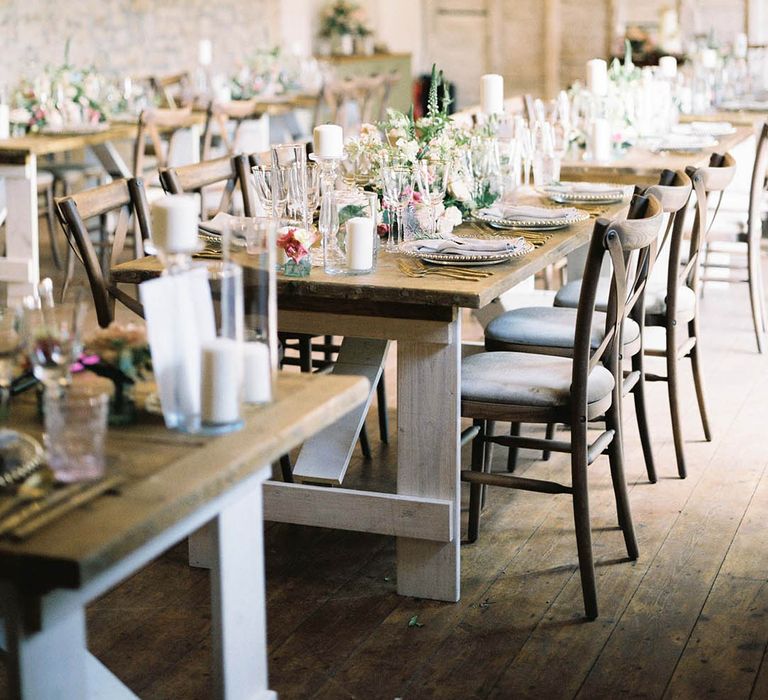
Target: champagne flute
397,181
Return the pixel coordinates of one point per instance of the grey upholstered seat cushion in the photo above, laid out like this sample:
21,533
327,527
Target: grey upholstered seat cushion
525,379
550,327
568,294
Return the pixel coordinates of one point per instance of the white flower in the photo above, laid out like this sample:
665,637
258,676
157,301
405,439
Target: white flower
460,190
409,149
451,218
19,116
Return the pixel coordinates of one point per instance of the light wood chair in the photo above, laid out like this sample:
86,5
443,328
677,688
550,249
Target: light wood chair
674,311
219,118
126,199
537,388
390,80
228,175
45,183
157,130
171,89
744,246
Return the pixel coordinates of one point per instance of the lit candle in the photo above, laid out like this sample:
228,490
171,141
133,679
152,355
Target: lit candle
360,244
174,223
328,140
597,77
220,381
492,93
205,52
668,67
601,140
257,373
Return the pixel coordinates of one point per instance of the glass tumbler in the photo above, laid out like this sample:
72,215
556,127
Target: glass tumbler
75,433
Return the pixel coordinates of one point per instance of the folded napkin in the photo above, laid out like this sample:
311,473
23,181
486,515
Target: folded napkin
599,188
455,245
525,212
704,129
217,224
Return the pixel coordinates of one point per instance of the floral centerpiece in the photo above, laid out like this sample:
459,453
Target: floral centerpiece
259,76
340,22
293,244
405,141
120,353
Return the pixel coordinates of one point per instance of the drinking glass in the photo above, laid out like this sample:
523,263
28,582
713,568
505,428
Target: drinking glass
10,345
52,340
289,175
431,182
313,189
269,192
397,183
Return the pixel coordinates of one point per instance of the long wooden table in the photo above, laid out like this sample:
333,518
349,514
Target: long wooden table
642,167
176,484
424,317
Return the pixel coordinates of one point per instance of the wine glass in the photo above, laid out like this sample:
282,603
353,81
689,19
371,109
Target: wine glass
268,190
397,182
431,182
52,340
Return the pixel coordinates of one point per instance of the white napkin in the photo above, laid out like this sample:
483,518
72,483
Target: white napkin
523,212
704,128
455,245
600,188
179,313
217,224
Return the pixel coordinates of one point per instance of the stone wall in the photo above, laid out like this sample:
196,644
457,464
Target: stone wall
136,37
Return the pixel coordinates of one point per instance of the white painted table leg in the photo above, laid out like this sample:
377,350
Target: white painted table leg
21,267
238,610
428,460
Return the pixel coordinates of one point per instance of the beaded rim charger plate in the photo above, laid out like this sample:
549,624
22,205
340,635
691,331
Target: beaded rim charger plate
410,249
531,224
563,195
31,455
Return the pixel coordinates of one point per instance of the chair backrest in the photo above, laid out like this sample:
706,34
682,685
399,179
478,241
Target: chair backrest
159,126
229,171
221,114
629,245
390,80
128,200
707,181
757,188
170,88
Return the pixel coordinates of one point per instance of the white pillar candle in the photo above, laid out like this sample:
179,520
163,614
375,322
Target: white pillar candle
597,77
668,67
257,373
709,58
492,93
360,243
205,52
220,381
174,223
741,46
601,140
5,121
328,141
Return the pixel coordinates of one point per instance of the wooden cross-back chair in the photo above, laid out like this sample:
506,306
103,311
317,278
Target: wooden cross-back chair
676,310
157,129
170,88
229,172
390,80
221,114
549,330
538,388
127,199
748,272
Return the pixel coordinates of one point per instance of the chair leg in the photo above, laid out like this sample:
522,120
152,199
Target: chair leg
698,381
490,426
305,354
616,459
286,469
365,445
756,295
674,406
514,431
550,435
581,518
51,221
478,456
641,414
381,397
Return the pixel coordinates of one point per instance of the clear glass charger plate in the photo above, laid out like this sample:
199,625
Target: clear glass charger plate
563,195
530,224
409,250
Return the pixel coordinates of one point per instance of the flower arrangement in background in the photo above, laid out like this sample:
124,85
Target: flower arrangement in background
342,17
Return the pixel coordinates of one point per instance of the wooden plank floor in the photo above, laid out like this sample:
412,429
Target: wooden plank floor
689,619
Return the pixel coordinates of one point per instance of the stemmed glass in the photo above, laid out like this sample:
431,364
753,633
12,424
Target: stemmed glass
431,182
269,191
398,188
525,144
52,340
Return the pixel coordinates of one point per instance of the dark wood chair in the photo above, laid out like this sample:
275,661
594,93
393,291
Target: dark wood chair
675,310
227,175
126,199
726,234
537,388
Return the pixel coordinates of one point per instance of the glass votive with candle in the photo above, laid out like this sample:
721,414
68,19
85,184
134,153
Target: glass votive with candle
360,243
175,220
355,244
